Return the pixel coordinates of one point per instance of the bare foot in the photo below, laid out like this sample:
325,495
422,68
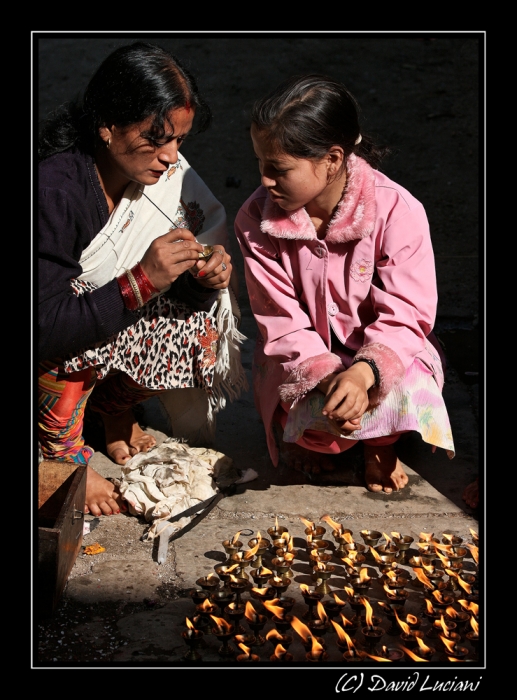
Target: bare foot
383,469
124,437
102,498
471,494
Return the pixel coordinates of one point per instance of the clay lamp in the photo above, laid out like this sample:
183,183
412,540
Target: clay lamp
408,636
277,531
317,652
333,605
231,547
279,584
198,595
224,572
319,626
372,632
281,654
205,610
403,542
460,617
344,640
224,631
305,634
322,572
238,586
453,648
392,653
341,535
315,532
451,539
310,598
235,612
473,635
261,576
208,583
371,537
192,638
280,618
391,610
246,656
282,566
276,638
361,583
441,626
260,546
256,623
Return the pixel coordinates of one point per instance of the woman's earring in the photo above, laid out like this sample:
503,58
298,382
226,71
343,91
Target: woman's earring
108,143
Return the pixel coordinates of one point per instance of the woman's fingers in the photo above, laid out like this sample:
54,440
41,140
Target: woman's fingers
215,272
169,256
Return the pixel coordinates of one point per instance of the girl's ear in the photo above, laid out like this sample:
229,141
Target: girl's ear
335,159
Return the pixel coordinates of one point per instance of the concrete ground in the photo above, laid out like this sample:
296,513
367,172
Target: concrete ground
122,608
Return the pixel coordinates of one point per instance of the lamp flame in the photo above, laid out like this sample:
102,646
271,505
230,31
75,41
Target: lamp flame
425,537
236,538
449,643
474,625
412,655
444,626
245,649
250,612
466,586
404,625
396,535
280,652
378,658
335,526
338,600
411,619
317,649
474,533
475,552
301,628
206,605
349,591
343,636
273,634
429,605
251,552
375,555
321,612
423,579
307,524
387,538
446,562
221,625
189,624
451,612
275,609
369,612
423,646
363,575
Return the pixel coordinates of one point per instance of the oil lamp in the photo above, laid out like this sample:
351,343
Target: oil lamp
231,547
192,638
282,566
441,600
453,647
205,610
392,653
313,531
425,651
319,555
460,617
403,542
475,537
371,537
224,631
285,602
198,595
310,598
235,611
222,597
453,553
322,572
473,634
317,652
333,605
279,584
262,594
441,626
344,641
451,539
256,623
259,545
341,535
276,638
304,632
350,625
361,583
391,610
414,656
433,574
281,654
396,595
224,572
248,639
208,583
320,625
408,636
261,576
238,586
372,632
247,656
280,618
276,531
353,562
389,551
242,562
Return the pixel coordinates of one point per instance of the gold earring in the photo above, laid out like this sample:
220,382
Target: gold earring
108,143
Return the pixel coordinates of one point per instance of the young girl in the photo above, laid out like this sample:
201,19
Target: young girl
341,279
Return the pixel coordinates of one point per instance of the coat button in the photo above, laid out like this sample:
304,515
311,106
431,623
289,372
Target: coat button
320,251
332,309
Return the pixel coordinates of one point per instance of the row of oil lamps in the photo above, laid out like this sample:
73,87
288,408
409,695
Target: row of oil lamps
447,627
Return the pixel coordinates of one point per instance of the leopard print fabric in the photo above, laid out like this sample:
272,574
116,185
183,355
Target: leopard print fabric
170,347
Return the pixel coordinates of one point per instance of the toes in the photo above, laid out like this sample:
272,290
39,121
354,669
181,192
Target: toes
374,487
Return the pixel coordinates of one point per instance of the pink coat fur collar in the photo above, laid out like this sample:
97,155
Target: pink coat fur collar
353,220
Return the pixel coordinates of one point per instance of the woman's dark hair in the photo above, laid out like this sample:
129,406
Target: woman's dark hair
133,83
306,115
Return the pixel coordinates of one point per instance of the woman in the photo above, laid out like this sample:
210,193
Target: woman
129,299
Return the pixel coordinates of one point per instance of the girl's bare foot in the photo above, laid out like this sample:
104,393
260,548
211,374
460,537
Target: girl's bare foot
102,498
383,469
124,437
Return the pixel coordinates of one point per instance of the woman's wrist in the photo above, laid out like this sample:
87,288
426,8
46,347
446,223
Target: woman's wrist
136,288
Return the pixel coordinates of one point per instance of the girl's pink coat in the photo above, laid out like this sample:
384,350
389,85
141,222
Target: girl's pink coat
371,280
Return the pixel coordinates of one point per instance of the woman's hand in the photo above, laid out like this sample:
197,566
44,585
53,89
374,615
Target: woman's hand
347,396
169,256
215,272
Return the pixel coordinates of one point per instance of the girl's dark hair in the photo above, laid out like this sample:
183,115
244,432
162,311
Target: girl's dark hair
306,115
133,83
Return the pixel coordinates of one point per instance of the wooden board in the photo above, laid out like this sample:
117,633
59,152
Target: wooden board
61,497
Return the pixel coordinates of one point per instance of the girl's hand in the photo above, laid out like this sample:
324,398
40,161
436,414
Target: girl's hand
169,256
347,396
215,272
